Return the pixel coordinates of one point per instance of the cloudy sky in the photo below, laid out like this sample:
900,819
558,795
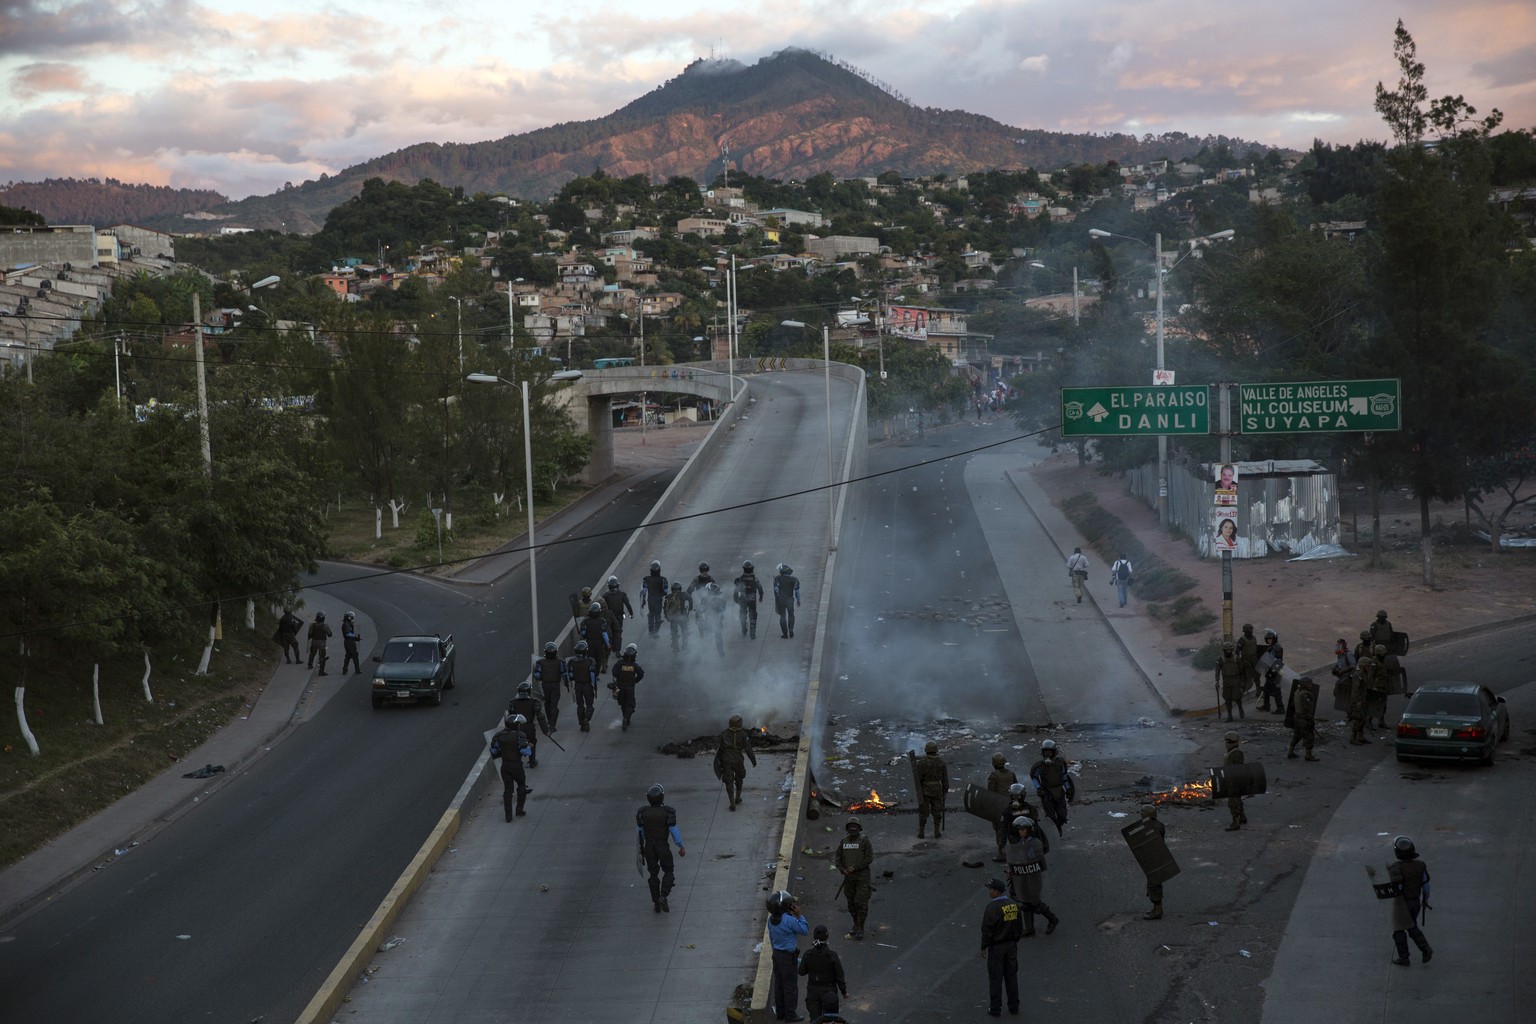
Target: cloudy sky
241,96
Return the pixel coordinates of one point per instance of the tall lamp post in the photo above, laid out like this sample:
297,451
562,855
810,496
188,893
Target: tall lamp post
533,551
1077,319
826,364
1162,439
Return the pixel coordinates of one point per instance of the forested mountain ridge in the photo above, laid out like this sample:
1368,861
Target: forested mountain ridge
102,202
791,115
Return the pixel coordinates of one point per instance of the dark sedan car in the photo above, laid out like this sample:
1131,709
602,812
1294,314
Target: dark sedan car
1452,721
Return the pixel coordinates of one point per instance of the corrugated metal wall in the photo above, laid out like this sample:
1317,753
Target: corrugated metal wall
1277,513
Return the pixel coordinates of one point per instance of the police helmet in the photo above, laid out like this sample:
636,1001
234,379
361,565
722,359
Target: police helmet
1048,747
785,570
586,593
514,721
1247,627
1403,847
1023,821
349,617
1365,634
655,568
613,583
594,609
1270,634
713,588
1016,790
676,585
998,760
655,795
703,567
1379,650
735,722
853,826
630,650
1149,810
930,747
1228,645
551,649
581,647
319,616
524,689
1233,738
746,566
1382,614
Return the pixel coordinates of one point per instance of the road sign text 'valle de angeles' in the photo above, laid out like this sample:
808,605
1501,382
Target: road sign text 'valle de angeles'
1135,411
1321,406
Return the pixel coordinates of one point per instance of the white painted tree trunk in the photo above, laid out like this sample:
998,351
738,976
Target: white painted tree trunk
149,698
496,500
96,692
250,614
202,665
378,523
447,522
21,718
395,508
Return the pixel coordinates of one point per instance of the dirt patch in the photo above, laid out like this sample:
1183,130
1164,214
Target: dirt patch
1310,604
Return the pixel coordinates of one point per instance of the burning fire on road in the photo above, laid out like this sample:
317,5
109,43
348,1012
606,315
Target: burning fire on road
874,803
1185,794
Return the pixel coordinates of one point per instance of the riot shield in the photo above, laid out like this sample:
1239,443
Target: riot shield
1238,780
1396,675
1150,851
917,783
1341,695
985,804
1399,644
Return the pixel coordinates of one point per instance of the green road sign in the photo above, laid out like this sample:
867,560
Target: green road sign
1135,411
1320,406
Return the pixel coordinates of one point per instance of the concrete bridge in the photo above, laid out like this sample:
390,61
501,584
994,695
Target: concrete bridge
720,381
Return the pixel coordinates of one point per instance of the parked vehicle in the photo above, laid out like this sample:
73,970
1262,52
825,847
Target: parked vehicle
414,669
1453,721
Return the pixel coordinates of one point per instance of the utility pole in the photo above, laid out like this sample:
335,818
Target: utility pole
1162,439
1226,556
202,384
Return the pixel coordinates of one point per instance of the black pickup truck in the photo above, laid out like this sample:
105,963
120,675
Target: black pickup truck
414,669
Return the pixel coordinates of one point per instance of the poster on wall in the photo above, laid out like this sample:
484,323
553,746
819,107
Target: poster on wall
1224,531
1226,485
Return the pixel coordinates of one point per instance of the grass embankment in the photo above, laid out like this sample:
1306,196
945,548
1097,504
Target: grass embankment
1163,587
84,767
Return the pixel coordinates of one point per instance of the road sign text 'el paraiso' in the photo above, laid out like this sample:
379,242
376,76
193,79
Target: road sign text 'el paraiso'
1135,411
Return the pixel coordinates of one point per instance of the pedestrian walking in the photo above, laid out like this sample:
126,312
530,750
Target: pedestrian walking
732,751
932,777
349,642
854,856
287,635
1077,572
1408,887
825,983
655,824
509,746
786,598
1001,928
551,674
1121,576
626,676
785,926
319,636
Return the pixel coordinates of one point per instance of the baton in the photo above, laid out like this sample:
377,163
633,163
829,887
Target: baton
554,741
839,888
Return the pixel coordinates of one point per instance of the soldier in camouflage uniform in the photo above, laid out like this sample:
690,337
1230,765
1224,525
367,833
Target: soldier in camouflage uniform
731,756
1376,683
1235,803
1302,718
853,858
1248,655
933,784
1231,679
1001,779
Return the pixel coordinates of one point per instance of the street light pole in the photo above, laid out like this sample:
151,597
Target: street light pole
1162,439
826,362
533,550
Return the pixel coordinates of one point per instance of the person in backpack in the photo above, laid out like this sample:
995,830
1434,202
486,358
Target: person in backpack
749,591
653,594
679,609
287,635
1120,576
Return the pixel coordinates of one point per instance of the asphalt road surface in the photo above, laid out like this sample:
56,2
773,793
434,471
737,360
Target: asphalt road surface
236,912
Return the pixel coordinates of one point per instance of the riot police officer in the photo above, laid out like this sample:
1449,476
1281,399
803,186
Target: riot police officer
319,635
1154,889
1054,783
550,671
749,591
711,609
678,608
655,823
1248,655
531,709
1231,679
1000,781
616,601
594,630
627,674
653,593
932,778
581,670
1270,691
1026,870
349,642
786,598
509,745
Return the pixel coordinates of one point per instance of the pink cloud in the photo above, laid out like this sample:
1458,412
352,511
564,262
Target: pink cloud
32,80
